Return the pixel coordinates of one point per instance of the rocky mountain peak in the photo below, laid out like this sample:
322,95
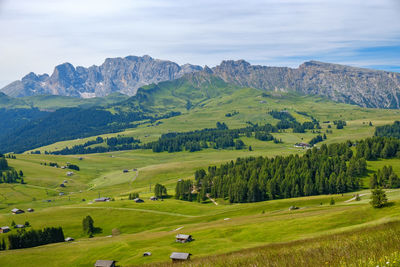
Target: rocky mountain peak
124,75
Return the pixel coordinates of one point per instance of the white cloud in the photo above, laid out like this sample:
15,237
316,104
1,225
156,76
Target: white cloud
37,35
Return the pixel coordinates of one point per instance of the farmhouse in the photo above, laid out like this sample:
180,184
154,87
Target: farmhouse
153,198
19,226
4,229
17,211
104,263
70,173
179,256
125,170
30,210
69,239
302,145
102,199
183,238
138,200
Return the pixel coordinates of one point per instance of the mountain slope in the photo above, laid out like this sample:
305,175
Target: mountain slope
363,87
124,75
151,103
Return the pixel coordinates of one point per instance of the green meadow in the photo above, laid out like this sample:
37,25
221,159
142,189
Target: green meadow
217,229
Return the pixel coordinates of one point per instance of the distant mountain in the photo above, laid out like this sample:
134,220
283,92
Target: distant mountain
123,75
363,87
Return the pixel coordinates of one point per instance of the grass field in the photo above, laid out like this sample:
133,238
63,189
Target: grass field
217,229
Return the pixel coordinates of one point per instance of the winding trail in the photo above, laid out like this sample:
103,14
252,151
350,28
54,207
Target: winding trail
134,178
133,209
212,200
353,198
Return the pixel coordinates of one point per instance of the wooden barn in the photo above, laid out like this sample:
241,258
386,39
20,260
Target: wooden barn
179,256
183,238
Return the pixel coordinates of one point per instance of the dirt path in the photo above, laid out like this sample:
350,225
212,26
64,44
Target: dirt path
212,200
353,198
133,209
134,178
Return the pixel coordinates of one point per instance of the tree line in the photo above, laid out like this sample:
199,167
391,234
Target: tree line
34,238
385,178
392,130
286,121
113,144
330,169
378,147
9,175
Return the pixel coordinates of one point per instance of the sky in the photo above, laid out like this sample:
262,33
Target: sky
37,35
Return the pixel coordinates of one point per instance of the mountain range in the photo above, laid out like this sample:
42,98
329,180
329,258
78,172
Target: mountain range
123,75
363,87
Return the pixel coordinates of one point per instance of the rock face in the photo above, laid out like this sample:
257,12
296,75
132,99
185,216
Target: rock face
124,75
363,87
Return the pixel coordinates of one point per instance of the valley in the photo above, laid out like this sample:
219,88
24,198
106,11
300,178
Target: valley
217,229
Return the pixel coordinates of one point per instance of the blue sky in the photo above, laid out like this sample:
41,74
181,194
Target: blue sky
37,35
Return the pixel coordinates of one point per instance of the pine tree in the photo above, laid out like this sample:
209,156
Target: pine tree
378,198
87,225
332,202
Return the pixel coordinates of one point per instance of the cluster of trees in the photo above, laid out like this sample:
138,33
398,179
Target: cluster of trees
33,238
3,163
286,121
339,124
11,177
73,167
8,174
263,136
88,226
160,191
317,139
231,114
113,144
389,130
184,189
385,178
378,147
217,138
133,196
330,169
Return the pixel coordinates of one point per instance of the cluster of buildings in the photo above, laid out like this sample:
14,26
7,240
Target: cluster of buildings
175,256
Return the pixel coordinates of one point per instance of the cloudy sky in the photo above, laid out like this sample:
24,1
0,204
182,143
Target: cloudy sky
36,35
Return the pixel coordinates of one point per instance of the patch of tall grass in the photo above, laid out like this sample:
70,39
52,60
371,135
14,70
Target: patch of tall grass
371,246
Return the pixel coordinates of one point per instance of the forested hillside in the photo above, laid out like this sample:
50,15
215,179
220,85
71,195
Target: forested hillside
389,130
331,169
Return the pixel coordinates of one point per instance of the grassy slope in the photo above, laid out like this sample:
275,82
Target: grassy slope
53,102
148,226
248,103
